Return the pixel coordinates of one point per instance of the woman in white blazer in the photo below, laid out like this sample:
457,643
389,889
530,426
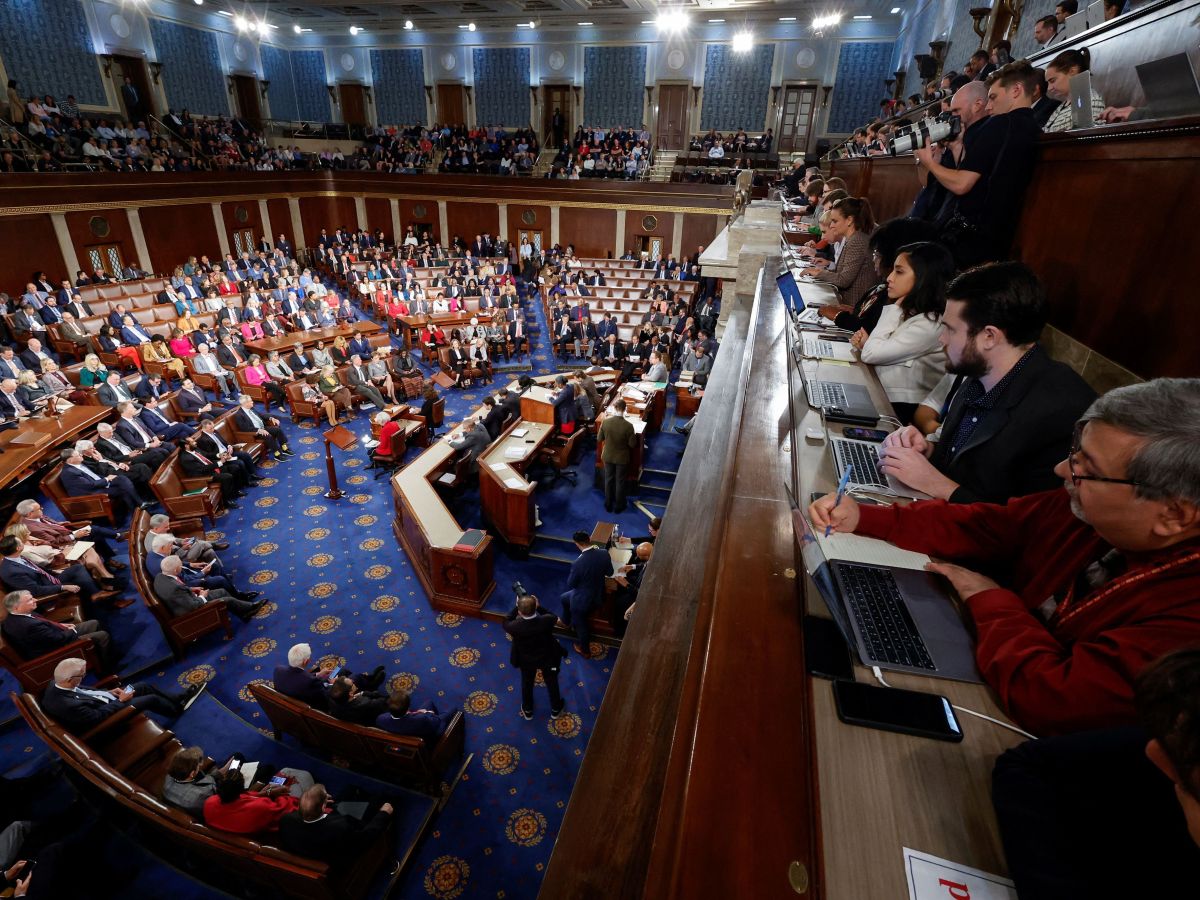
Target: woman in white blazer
904,347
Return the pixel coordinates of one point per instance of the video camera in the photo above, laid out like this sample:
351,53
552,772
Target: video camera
943,127
519,589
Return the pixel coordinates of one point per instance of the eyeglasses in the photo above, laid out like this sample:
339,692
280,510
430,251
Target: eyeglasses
1076,477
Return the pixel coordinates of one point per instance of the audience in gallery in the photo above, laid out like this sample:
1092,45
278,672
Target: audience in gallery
1073,591
595,152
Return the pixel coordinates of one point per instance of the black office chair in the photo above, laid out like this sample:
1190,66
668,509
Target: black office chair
559,454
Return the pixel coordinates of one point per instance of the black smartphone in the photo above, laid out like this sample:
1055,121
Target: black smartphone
825,652
895,709
865,434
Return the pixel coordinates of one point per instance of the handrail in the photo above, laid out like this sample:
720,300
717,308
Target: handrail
13,128
189,144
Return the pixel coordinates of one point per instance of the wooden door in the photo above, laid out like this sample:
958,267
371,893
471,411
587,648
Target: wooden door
672,124
796,116
246,90
107,258
451,110
535,238
354,104
556,96
135,68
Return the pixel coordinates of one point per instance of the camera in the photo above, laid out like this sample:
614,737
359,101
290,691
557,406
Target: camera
519,589
943,127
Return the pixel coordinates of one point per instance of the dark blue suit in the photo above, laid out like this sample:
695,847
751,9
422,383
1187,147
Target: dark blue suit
564,407
79,712
163,427
585,590
78,484
428,725
21,575
192,577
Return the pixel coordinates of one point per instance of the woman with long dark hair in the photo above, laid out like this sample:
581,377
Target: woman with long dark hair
904,346
853,273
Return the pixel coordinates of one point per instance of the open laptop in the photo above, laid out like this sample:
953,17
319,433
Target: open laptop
790,292
1075,25
897,616
864,456
816,346
1081,100
840,402
1170,86
1095,13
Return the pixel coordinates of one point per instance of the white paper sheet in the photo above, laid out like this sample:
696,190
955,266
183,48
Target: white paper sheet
869,551
932,878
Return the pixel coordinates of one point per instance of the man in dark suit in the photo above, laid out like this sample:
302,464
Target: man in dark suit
349,704
564,405
116,451
474,441
20,574
154,418
585,589
79,709
79,479
510,401
284,246
401,718
265,427
133,432
191,400
619,439
114,392
210,442
535,648
180,598
132,99
1012,419
72,331
197,464
34,354
32,634
303,681
496,418
318,831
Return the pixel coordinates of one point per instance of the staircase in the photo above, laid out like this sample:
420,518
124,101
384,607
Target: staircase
664,162
544,162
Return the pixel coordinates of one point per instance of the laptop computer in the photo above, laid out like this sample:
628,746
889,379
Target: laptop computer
1081,101
1095,13
840,402
897,616
1170,86
815,346
791,293
864,456
1075,25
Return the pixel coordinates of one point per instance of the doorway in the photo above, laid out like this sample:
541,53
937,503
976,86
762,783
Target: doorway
672,123
650,244
106,258
245,89
451,106
556,97
143,99
534,237
796,117
354,104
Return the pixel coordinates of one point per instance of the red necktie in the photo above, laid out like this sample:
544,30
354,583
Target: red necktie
61,625
203,459
38,568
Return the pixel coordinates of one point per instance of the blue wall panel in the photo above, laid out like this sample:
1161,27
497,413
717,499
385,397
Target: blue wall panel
859,85
312,98
191,74
614,80
501,86
47,48
736,86
277,69
399,79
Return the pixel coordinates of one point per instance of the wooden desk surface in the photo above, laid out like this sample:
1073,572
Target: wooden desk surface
438,523
16,458
504,467
881,792
310,338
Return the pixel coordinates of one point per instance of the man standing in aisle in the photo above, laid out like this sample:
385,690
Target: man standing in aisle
619,439
585,589
535,648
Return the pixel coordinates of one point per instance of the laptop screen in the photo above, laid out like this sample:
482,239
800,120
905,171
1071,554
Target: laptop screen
791,293
1169,85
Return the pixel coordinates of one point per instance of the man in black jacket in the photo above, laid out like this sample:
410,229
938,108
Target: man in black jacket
318,831
33,634
78,708
1012,418
534,648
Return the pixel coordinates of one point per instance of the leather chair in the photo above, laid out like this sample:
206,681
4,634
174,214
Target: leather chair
85,507
33,674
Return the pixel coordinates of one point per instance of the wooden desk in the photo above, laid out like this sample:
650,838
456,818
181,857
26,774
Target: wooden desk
284,343
687,403
504,492
413,324
537,404
57,431
456,581
633,471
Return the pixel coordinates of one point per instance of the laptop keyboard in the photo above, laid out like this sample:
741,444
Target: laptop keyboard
884,622
828,393
863,457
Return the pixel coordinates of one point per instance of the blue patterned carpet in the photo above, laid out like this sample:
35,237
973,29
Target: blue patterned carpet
337,579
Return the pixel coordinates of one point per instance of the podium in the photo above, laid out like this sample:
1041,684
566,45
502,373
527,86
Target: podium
344,440
537,405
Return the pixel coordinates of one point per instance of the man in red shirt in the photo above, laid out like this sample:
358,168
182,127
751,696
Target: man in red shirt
1085,585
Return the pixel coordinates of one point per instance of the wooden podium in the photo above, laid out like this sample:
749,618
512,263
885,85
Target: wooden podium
343,440
537,405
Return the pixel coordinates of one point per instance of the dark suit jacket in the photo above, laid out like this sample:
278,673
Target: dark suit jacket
33,636
301,685
177,597
494,421
336,838
127,434
33,361
423,725
194,468
533,641
226,358
587,575
364,709
77,712
1015,449
564,406
189,402
108,396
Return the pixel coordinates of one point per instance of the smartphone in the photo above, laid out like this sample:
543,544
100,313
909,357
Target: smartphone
865,434
825,652
234,765
894,709
334,673
279,779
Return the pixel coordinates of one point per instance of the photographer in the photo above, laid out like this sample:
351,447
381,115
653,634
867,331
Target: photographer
534,648
989,182
969,103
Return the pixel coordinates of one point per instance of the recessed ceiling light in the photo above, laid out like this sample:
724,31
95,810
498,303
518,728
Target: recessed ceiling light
895,9
787,18
862,17
354,29
297,29
822,22
408,25
224,12
198,2
672,20
240,23
715,21
583,23
470,26
743,42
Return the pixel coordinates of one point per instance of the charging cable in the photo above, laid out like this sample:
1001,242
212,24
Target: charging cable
962,709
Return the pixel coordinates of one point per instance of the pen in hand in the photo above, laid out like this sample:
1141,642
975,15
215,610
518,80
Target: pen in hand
841,492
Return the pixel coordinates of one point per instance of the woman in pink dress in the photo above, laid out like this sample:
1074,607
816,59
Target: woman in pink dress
256,374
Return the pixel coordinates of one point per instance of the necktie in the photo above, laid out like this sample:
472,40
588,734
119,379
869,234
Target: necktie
61,625
38,569
200,456
95,695
89,473
254,419
137,426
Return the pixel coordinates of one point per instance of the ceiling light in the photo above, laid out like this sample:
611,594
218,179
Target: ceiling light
862,17
787,18
533,24
672,20
224,12
408,25
198,2
647,21
354,29
715,21
743,41
470,26
820,23
239,23
895,10
583,23
297,29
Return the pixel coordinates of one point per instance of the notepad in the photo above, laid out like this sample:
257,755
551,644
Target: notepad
514,452
499,467
78,549
513,483
520,432
855,548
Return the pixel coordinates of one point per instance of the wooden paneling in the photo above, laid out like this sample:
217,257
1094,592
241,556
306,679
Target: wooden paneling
83,236
416,212
469,219
281,220
699,231
379,215
671,128
230,213
173,233
329,213
592,231
28,243
540,221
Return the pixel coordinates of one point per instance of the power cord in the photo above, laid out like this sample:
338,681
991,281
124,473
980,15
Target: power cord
962,709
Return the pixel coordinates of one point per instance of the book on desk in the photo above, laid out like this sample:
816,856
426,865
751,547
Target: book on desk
470,539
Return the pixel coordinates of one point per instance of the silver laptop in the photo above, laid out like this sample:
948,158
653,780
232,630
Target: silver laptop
1169,86
1075,25
1081,101
899,619
864,456
817,347
1095,13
